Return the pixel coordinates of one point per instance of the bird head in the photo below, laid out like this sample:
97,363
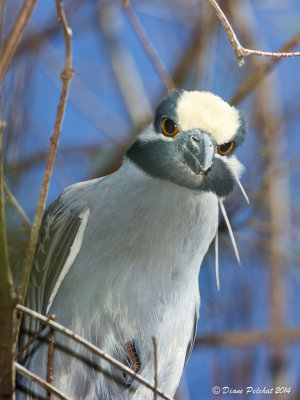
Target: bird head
192,142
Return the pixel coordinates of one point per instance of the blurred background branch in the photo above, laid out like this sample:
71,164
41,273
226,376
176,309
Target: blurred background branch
13,201
14,36
125,59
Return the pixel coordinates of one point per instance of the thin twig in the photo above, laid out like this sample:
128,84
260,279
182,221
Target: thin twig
15,35
239,50
230,32
155,368
5,269
150,50
50,388
30,341
66,76
50,358
117,364
17,207
7,300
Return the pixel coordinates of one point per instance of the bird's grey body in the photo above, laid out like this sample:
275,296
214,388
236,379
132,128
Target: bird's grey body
131,271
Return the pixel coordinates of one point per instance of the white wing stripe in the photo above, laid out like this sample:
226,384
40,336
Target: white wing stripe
75,248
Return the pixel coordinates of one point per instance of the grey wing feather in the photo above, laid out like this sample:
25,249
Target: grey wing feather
192,341
60,226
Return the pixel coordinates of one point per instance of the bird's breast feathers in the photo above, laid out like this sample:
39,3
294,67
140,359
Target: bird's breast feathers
150,236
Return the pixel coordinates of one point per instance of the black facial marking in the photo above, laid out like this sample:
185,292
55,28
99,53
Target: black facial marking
165,160
152,157
167,108
219,180
241,133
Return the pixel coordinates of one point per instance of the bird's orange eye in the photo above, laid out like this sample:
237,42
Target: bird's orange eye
225,148
169,128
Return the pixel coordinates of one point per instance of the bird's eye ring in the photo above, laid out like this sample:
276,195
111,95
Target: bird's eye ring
225,148
169,128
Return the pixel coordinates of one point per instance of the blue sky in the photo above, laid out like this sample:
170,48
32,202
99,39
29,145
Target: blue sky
96,118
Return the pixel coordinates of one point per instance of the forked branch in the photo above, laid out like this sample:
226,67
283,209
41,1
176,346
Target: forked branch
239,50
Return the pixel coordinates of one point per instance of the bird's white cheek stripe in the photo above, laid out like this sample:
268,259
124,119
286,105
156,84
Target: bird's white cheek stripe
75,248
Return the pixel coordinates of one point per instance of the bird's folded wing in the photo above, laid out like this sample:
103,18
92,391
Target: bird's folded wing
59,243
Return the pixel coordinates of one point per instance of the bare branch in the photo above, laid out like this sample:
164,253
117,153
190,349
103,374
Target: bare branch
50,388
150,50
50,358
239,50
15,35
66,76
230,32
248,52
5,269
7,301
30,341
16,206
117,364
155,368
69,70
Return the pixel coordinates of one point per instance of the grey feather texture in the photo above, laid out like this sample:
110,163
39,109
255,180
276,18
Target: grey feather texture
118,260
